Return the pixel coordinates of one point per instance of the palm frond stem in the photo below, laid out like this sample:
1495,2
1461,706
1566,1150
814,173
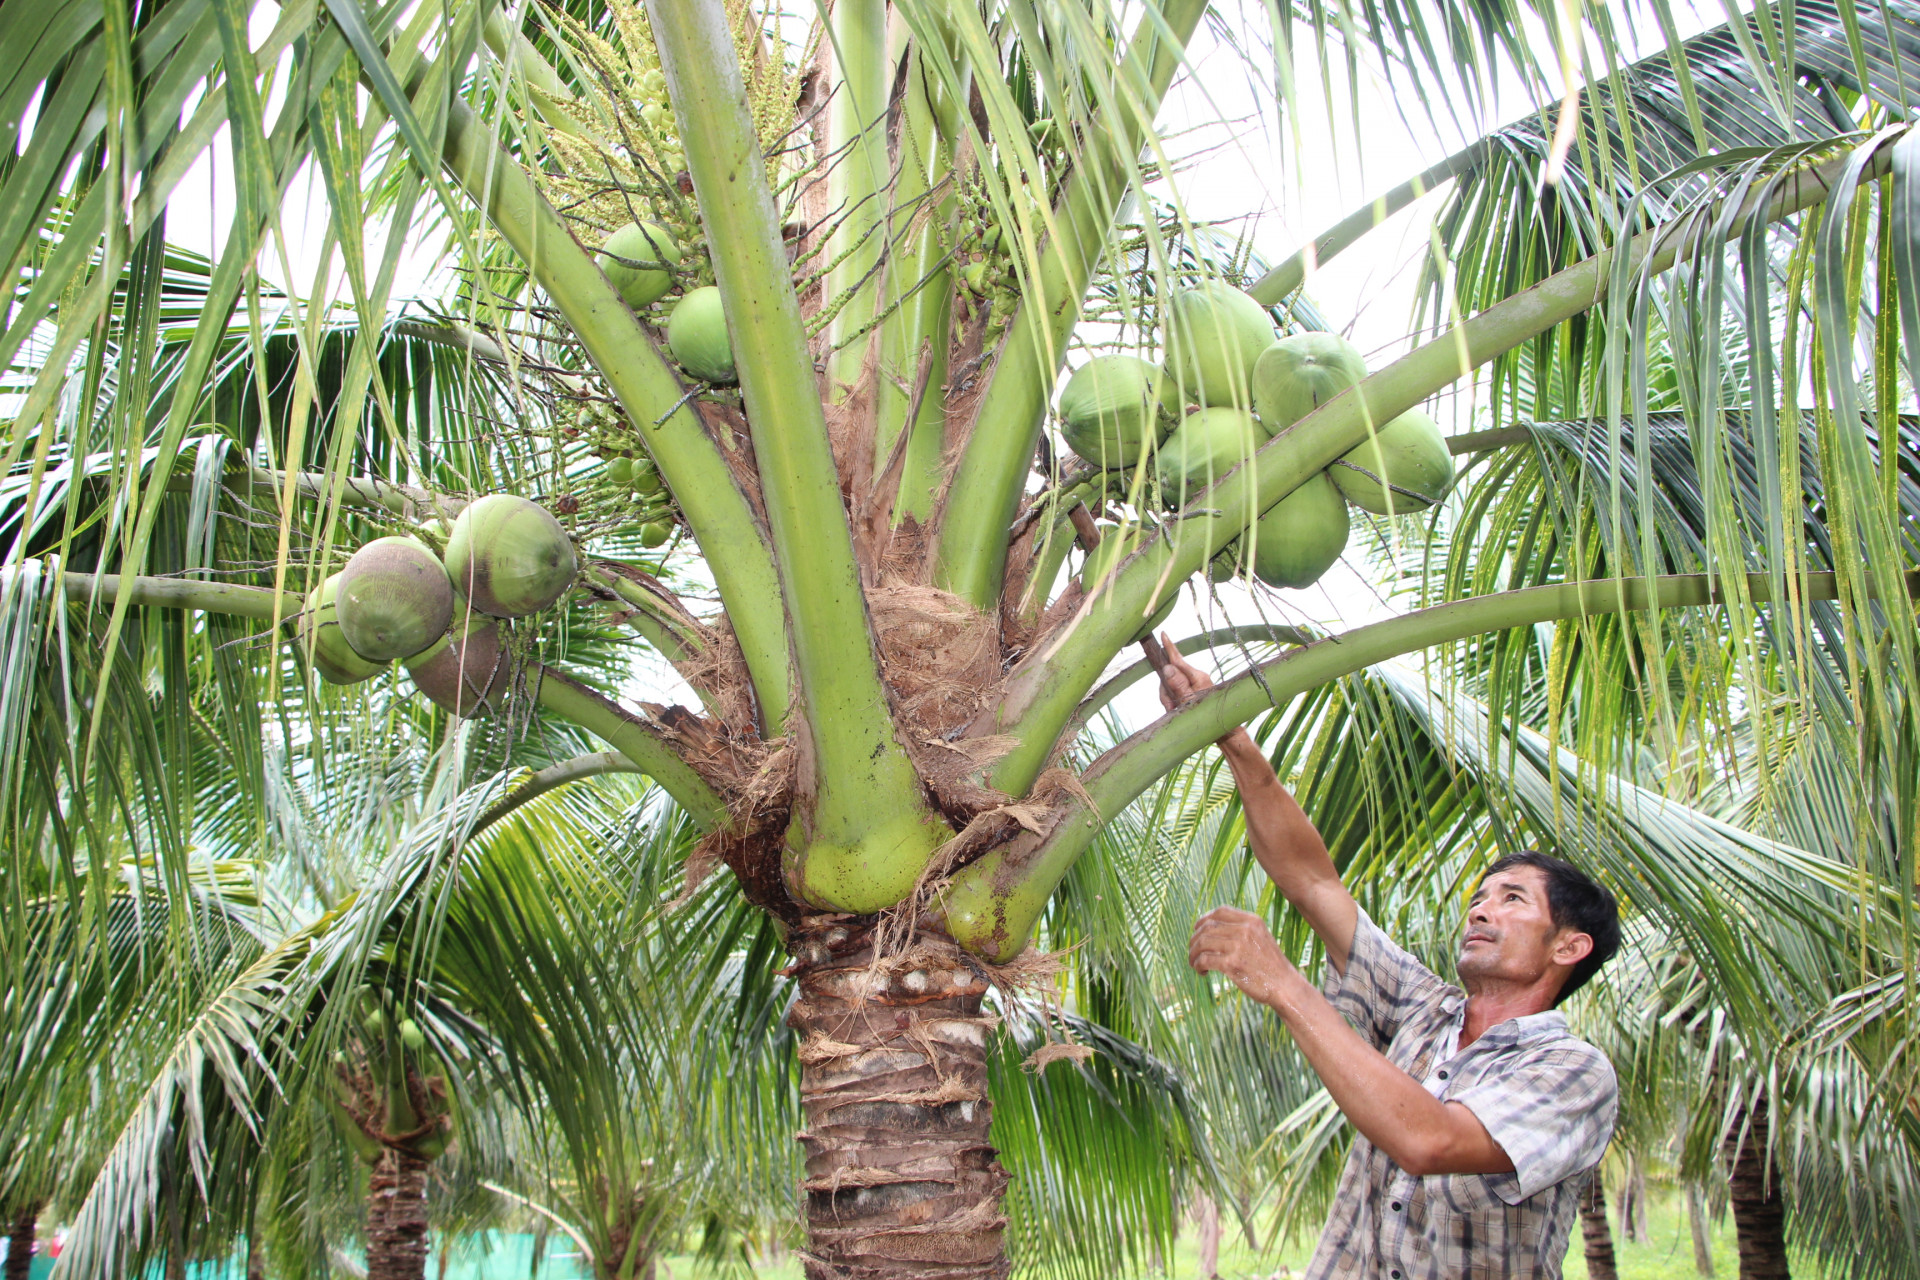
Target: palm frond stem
552,778
1042,697
971,553
992,904
705,487
1126,678
1278,284
868,795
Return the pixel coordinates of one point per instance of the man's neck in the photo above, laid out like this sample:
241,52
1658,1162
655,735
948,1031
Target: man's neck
1491,1006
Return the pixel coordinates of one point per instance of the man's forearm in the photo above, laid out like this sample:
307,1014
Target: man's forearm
1289,847
1421,1134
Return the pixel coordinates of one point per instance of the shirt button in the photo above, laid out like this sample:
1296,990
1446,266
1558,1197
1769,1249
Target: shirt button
1443,1075
1394,1274
1396,1206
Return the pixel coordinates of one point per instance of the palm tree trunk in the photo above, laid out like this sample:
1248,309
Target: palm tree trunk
1697,1224
1208,1214
1759,1223
1595,1234
397,1218
20,1241
901,1177
1633,1209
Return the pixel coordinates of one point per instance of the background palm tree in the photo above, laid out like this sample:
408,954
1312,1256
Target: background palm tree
910,211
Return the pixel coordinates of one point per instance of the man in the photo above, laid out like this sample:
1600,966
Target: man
1478,1115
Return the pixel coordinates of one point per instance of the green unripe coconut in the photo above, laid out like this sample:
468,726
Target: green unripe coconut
1404,467
509,556
319,631
1111,407
641,242
1116,545
1301,372
1215,335
646,480
697,336
1301,537
412,1036
975,277
620,471
653,533
376,1024
394,598
1204,447
468,673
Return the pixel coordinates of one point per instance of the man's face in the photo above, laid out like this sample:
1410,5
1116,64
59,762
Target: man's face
1510,937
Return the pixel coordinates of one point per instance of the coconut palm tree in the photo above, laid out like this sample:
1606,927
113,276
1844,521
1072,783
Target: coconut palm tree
908,212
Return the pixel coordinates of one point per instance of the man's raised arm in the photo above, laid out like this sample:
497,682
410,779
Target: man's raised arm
1285,843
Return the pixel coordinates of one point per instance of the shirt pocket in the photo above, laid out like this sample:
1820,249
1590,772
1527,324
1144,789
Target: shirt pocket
1474,1195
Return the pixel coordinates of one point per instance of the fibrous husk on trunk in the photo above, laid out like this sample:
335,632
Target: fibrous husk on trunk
1759,1216
397,1217
20,1240
901,1178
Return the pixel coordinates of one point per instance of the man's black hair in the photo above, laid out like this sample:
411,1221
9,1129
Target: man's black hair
1576,901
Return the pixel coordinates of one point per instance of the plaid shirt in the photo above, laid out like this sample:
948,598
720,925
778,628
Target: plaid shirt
1547,1098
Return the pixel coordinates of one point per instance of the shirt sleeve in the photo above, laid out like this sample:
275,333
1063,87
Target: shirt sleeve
1383,985
1552,1112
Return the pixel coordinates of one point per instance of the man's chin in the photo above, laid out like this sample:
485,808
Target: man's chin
1471,964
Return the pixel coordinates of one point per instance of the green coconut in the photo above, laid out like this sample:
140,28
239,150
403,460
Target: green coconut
654,533
468,673
1116,544
1299,373
394,598
1409,455
639,242
1301,537
1216,334
509,556
697,336
319,631
1111,406
1204,447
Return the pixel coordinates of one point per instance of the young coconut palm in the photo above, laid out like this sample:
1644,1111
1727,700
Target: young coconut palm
906,216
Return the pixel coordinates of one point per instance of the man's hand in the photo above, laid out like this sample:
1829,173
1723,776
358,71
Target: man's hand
1237,943
1180,680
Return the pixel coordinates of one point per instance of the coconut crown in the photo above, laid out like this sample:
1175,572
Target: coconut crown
1204,447
509,557
1301,372
467,674
1302,536
1111,407
393,599
1215,335
639,242
1405,467
319,632
697,336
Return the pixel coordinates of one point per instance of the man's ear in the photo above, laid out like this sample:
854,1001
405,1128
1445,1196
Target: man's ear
1570,949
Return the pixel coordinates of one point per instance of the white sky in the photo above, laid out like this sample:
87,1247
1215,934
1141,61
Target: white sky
1250,173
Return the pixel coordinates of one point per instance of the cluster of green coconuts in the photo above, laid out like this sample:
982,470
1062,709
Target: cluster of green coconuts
1228,387
638,260
439,615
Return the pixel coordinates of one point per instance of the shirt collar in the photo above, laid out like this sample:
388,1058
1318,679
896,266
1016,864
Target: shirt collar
1531,1028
